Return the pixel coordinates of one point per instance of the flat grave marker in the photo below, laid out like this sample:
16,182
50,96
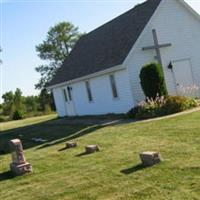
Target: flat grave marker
71,145
91,149
150,158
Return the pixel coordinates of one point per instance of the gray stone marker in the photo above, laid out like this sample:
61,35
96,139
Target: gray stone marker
150,158
91,148
71,145
19,166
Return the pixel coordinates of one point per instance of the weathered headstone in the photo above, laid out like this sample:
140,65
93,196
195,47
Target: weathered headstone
150,158
71,145
19,166
91,148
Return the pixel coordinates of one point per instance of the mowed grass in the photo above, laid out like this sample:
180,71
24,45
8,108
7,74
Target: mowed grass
113,173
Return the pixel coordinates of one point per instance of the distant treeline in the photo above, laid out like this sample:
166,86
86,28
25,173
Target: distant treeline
16,106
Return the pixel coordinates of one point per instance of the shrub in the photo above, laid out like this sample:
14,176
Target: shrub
150,108
161,106
18,114
132,113
152,80
191,103
176,104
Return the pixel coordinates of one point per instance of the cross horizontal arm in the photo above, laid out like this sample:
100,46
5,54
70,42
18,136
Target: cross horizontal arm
159,46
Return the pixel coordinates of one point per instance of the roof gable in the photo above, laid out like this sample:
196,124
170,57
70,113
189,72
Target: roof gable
106,46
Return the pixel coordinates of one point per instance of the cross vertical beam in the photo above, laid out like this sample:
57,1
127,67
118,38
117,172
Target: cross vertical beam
157,48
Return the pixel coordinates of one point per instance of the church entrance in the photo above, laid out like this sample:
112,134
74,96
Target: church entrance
69,103
183,77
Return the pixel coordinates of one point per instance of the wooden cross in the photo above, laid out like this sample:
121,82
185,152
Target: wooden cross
157,47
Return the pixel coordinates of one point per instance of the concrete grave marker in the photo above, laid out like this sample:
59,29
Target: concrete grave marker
19,166
150,158
91,148
71,145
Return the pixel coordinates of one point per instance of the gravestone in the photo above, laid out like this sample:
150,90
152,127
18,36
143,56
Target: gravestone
19,166
150,158
71,145
91,148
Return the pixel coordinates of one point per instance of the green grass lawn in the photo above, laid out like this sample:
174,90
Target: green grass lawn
114,172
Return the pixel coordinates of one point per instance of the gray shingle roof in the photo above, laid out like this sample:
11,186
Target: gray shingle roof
106,46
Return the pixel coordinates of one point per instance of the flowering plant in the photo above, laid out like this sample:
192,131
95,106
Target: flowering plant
191,90
161,105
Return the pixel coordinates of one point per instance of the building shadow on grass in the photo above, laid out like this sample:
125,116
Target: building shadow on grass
75,135
133,169
53,132
6,176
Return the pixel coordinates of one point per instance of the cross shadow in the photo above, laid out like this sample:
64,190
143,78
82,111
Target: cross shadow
6,176
133,169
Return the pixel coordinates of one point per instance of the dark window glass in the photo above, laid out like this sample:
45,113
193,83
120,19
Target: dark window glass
87,84
113,86
69,89
65,95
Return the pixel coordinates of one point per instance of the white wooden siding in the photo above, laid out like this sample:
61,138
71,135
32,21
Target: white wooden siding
103,101
176,25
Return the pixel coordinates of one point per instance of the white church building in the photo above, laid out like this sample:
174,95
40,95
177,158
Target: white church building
101,74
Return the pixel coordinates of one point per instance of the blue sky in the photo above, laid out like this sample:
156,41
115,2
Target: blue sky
24,24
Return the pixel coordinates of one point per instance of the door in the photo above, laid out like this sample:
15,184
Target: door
183,77
69,103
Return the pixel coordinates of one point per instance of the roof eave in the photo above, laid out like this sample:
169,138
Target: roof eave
83,78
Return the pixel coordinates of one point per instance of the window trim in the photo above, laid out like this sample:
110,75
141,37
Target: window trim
88,90
113,86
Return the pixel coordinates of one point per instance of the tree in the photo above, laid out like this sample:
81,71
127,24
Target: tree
46,101
18,100
8,99
152,80
13,102
31,103
59,42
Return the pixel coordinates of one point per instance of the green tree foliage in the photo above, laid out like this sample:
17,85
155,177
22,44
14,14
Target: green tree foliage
32,103
18,100
18,114
8,99
13,102
46,101
17,106
152,80
54,49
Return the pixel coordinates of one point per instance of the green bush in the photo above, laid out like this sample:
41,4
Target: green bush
152,80
161,106
18,114
133,112
176,104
